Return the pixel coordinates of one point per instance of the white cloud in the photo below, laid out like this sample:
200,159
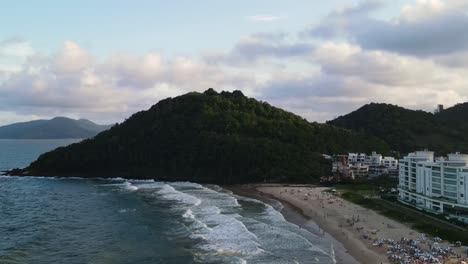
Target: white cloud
417,60
75,82
350,76
72,59
257,47
422,10
425,28
265,18
15,48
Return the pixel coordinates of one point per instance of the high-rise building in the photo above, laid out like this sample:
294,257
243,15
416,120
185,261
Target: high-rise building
436,185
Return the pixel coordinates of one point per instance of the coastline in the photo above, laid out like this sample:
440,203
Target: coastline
295,215
365,236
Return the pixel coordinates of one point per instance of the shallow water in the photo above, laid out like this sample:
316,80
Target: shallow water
47,220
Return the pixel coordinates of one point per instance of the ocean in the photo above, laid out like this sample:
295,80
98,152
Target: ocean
116,221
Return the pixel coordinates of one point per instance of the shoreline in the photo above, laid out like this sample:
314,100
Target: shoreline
365,235
295,215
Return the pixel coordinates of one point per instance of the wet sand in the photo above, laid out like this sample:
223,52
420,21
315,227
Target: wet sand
295,216
352,228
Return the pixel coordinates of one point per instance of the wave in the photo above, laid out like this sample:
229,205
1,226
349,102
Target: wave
125,210
227,236
129,186
225,227
169,192
229,227
188,214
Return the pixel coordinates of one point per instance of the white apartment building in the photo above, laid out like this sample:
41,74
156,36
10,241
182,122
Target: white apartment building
390,162
354,158
436,185
358,170
373,159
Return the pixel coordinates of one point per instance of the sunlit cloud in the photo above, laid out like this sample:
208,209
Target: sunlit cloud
326,68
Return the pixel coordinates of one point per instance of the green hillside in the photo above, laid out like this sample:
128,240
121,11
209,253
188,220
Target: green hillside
407,130
208,137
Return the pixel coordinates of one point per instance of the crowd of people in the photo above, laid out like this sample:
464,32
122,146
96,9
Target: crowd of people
420,250
401,248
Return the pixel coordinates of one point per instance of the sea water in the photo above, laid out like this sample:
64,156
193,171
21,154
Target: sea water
48,220
18,153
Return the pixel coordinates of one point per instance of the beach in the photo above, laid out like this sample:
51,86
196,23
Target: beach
362,233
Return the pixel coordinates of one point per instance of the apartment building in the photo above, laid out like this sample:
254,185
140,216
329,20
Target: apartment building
437,185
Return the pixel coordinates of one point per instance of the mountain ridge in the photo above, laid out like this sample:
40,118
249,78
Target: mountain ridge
207,137
55,128
408,130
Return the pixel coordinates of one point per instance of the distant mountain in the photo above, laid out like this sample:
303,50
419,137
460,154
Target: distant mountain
56,128
408,130
208,137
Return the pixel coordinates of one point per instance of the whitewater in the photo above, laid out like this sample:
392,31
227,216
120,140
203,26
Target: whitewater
113,220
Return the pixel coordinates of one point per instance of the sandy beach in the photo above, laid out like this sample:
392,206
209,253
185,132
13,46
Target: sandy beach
360,232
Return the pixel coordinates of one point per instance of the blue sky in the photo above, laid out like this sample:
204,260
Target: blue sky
106,59
141,26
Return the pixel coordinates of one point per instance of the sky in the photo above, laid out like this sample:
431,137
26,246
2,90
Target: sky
106,59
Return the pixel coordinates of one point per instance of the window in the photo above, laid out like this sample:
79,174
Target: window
448,181
450,188
452,170
451,194
450,176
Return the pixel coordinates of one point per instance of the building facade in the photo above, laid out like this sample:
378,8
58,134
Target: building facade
390,162
436,185
373,159
359,171
354,158
373,165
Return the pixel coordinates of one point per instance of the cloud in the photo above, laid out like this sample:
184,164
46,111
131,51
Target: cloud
265,18
74,82
260,46
72,59
351,76
378,67
426,28
422,10
13,52
15,47
417,60
270,36
332,79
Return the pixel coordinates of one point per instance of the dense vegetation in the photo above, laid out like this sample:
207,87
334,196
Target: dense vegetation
407,130
209,137
57,128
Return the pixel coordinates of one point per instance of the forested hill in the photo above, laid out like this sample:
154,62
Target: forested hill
208,137
56,128
408,130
